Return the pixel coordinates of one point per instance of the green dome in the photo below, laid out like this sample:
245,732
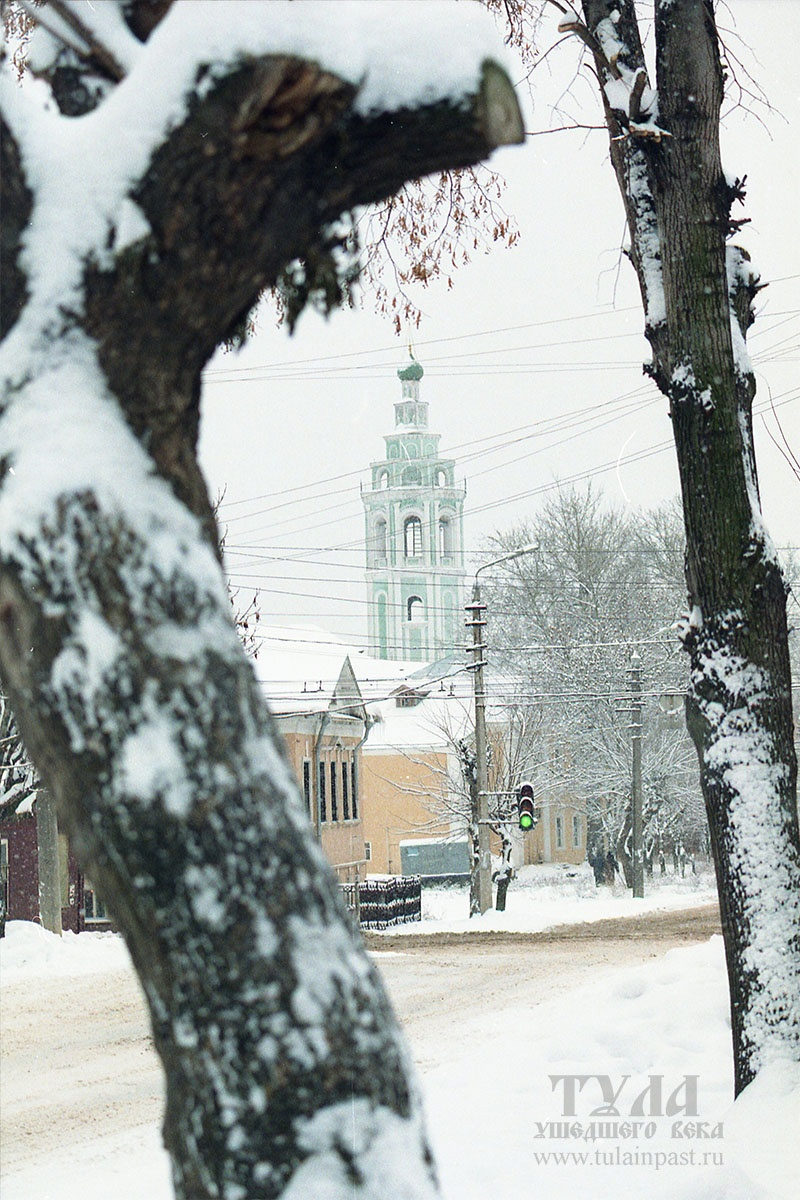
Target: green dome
412,371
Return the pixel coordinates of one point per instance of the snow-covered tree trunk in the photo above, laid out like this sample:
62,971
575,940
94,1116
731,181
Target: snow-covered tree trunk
192,154
469,772
697,292
505,871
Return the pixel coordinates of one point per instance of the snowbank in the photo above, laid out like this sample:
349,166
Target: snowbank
541,897
30,952
658,1035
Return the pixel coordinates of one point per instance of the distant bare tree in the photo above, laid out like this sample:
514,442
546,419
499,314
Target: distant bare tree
565,619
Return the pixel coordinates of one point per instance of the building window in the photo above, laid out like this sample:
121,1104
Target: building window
334,793
93,907
412,537
345,791
383,479
368,851
559,832
354,787
307,784
380,538
415,608
323,800
445,537
576,830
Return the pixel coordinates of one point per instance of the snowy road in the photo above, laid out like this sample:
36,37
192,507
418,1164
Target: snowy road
442,985
77,1062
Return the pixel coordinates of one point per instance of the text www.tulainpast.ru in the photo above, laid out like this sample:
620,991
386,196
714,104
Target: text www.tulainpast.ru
657,1159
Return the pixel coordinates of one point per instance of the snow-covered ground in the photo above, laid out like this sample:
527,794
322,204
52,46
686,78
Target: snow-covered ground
541,897
513,1104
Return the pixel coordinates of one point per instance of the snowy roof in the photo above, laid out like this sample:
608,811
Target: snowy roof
299,669
432,725
17,806
421,706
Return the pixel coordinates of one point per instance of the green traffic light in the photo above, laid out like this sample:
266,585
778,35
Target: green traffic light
525,821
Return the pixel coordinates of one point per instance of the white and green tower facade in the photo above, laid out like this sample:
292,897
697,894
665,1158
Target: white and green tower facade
415,538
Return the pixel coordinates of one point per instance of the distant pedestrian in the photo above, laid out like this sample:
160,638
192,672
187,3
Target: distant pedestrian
610,868
680,855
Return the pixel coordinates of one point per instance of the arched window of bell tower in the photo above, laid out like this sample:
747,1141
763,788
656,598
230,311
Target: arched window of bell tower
415,609
412,537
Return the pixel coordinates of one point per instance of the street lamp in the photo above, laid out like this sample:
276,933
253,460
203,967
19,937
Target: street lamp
476,621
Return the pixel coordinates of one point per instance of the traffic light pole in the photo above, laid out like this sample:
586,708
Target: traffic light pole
480,801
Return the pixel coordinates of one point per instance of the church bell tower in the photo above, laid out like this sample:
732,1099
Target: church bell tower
414,514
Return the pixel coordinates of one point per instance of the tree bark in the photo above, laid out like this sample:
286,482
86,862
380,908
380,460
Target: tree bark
285,1069
696,292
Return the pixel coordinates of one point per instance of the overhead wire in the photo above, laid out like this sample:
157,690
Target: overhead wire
600,420
541,489
451,450
496,443
216,374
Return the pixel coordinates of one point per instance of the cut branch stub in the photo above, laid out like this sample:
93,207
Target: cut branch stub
498,110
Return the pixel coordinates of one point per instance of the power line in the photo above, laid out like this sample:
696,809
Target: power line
510,436
588,473
214,374
451,451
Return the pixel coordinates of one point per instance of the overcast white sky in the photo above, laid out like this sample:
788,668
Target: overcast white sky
532,362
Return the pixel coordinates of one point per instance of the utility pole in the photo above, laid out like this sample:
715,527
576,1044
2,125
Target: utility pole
479,799
476,620
636,775
49,872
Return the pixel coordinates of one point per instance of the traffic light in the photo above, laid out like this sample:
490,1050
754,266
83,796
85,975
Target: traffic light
526,811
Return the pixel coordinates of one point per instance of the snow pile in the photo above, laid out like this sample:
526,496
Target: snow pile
661,1032
552,881
763,1130
542,897
29,952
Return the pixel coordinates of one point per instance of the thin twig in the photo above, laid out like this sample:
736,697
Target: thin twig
92,48
561,129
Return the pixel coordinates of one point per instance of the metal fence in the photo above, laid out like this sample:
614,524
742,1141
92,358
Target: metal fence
382,903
